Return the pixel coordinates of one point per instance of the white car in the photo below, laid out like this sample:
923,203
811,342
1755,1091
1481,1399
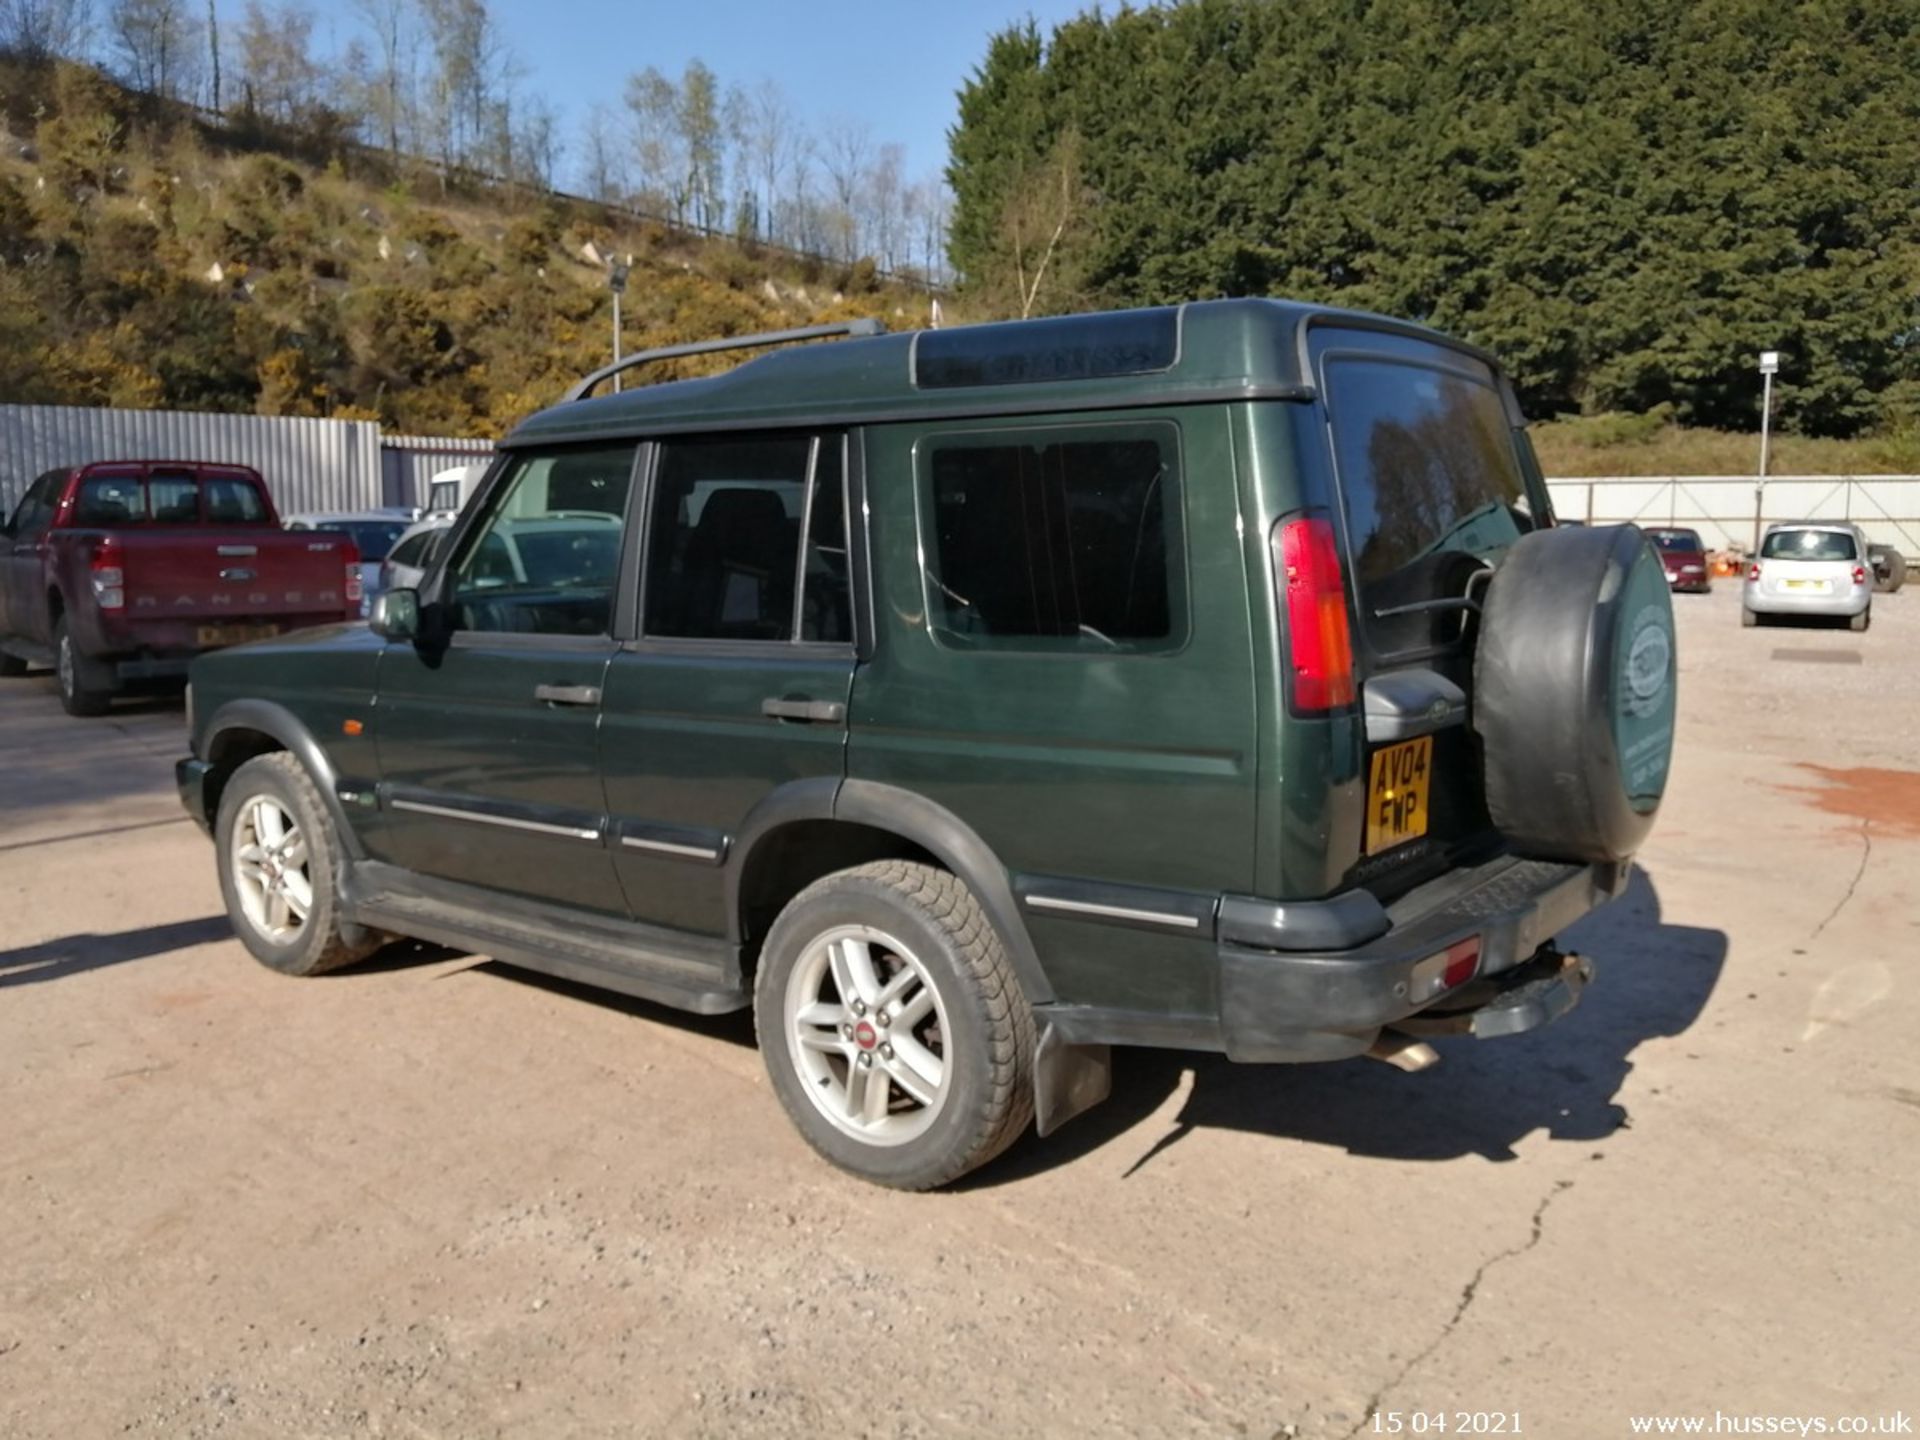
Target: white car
1810,568
373,532
407,562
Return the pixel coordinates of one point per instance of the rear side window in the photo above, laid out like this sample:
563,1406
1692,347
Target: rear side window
1431,484
1054,539
1808,545
749,540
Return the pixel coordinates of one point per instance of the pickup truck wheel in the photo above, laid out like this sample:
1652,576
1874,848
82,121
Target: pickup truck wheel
892,1026
278,862
86,687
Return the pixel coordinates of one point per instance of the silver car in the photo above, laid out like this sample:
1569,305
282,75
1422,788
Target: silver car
1810,568
373,533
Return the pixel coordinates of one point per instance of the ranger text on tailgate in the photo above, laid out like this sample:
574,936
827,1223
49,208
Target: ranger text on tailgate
971,702
125,570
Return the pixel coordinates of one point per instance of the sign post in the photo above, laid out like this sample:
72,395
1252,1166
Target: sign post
1769,367
617,282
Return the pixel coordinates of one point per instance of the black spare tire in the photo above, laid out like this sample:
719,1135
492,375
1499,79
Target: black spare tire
1574,692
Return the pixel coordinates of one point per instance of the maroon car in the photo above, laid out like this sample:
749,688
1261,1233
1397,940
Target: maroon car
1684,557
125,570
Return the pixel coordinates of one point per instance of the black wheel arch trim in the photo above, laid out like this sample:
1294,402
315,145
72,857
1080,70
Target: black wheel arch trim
276,721
958,847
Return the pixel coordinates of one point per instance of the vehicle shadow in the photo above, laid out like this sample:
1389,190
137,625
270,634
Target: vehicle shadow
76,954
1652,980
736,1027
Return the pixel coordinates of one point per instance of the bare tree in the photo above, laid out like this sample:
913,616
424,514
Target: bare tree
1045,202
157,43
42,29
659,142
283,80
703,141
844,148
884,210
390,95
929,210
769,142
213,54
603,158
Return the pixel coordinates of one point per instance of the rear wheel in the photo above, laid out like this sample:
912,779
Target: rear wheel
86,685
1861,621
1748,619
278,862
892,1026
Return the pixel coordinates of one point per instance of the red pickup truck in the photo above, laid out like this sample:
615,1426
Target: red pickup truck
126,569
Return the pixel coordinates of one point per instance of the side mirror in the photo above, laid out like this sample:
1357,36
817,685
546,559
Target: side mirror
396,614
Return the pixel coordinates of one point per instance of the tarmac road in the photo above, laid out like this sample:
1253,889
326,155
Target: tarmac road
436,1196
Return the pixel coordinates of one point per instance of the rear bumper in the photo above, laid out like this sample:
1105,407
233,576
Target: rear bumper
1368,974
1327,1006
1849,602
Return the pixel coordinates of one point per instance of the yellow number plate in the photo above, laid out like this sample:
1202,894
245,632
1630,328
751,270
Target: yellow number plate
211,635
1397,794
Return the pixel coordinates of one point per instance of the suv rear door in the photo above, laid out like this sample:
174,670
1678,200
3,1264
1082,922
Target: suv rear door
1432,490
738,679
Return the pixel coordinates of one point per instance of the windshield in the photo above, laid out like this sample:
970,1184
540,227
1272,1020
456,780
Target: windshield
1432,487
1674,539
1808,545
372,538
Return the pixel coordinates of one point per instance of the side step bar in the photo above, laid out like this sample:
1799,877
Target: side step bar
688,972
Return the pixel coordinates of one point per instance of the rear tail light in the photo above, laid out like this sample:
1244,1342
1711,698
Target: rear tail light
1753,572
105,571
355,589
1859,574
1315,595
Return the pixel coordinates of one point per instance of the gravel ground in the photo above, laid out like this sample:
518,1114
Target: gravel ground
436,1196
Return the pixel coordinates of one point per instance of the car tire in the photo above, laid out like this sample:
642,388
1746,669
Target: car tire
272,826
1574,693
86,685
1889,568
911,942
1748,620
1859,623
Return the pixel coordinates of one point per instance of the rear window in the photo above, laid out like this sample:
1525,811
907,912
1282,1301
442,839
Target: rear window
1431,484
1808,545
1674,539
107,500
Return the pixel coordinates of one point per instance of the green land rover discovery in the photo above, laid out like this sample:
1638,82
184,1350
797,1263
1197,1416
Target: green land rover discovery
969,702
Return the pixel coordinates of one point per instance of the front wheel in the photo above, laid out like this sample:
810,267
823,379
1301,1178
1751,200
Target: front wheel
278,862
893,1027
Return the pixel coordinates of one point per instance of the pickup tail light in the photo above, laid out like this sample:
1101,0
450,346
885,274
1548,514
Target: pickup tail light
1314,594
356,591
107,574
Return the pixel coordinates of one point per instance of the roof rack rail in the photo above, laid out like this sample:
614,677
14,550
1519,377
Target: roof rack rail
584,388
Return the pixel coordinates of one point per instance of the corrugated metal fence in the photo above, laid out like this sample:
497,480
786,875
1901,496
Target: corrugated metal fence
308,464
1722,507
408,462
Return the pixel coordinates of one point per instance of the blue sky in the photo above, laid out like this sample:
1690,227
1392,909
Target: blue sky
895,65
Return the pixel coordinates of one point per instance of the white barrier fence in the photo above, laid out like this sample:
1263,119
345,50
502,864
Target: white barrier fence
1722,507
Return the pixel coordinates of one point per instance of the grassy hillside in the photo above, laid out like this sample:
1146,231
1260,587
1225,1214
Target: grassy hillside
148,260
1652,445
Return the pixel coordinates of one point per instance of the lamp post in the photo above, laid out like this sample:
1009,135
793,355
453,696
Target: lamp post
617,271
1769,367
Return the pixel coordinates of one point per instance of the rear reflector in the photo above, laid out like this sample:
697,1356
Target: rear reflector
1448,970
1319,645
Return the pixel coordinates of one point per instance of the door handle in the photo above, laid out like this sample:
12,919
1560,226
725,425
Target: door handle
827,711
567,694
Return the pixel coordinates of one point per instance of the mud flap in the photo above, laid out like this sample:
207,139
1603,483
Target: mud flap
1067,1079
